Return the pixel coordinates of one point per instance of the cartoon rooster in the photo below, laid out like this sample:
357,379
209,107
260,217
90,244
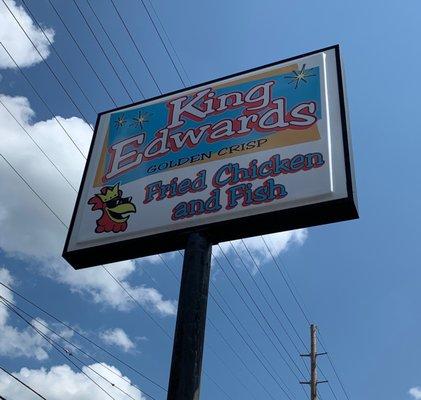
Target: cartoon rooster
113,207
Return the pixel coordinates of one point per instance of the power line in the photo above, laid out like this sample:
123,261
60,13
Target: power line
114,47
86,354
59,56
153,319
55,318
103,51
172,61
83,53
120,16
169,40
135,45
305,315
252,351
32,189
36,144
224,363
133,299
42,100
228,344
282,382
45,62
264,318
120,284
114,278
271,290
162,41
53,344
52,211
285,280
264,296
333,367
246,343
22,383
217,385
223,337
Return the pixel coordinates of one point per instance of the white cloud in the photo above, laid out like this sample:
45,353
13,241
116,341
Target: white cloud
103,289
30,231
415,392
117,337
61,382
13,38
277,242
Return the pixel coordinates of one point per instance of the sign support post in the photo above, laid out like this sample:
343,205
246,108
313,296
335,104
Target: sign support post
186,364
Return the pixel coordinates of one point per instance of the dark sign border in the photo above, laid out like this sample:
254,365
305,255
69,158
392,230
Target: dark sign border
276,221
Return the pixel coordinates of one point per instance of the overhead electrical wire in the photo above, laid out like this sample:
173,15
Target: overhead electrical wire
53,47
22,383
37,145
57,348
305,315
82,52
114,47
86,338
229,369
133,299
117,281
163,43
285,280
264,296
103,51
278,379
222,336
45,203
135,45
46,62
42,100
69,32
270,306
86,354
294,287
235,352
81,335
32,189
172,61
120,284
156,322
169,40
161,92
258,269
263,316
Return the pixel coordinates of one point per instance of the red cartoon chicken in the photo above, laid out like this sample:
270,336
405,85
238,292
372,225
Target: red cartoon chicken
114,208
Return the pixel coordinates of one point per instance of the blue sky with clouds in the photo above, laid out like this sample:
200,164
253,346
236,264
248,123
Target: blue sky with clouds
359,280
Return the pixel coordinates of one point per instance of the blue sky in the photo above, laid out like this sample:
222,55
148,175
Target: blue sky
359,280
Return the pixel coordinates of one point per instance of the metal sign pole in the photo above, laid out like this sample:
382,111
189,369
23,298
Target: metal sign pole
186,364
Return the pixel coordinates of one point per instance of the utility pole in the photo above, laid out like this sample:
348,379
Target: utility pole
313,363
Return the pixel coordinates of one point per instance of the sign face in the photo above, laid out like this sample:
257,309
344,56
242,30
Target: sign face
262,151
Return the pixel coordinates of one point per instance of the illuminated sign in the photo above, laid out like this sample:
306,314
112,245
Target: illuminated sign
257,152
